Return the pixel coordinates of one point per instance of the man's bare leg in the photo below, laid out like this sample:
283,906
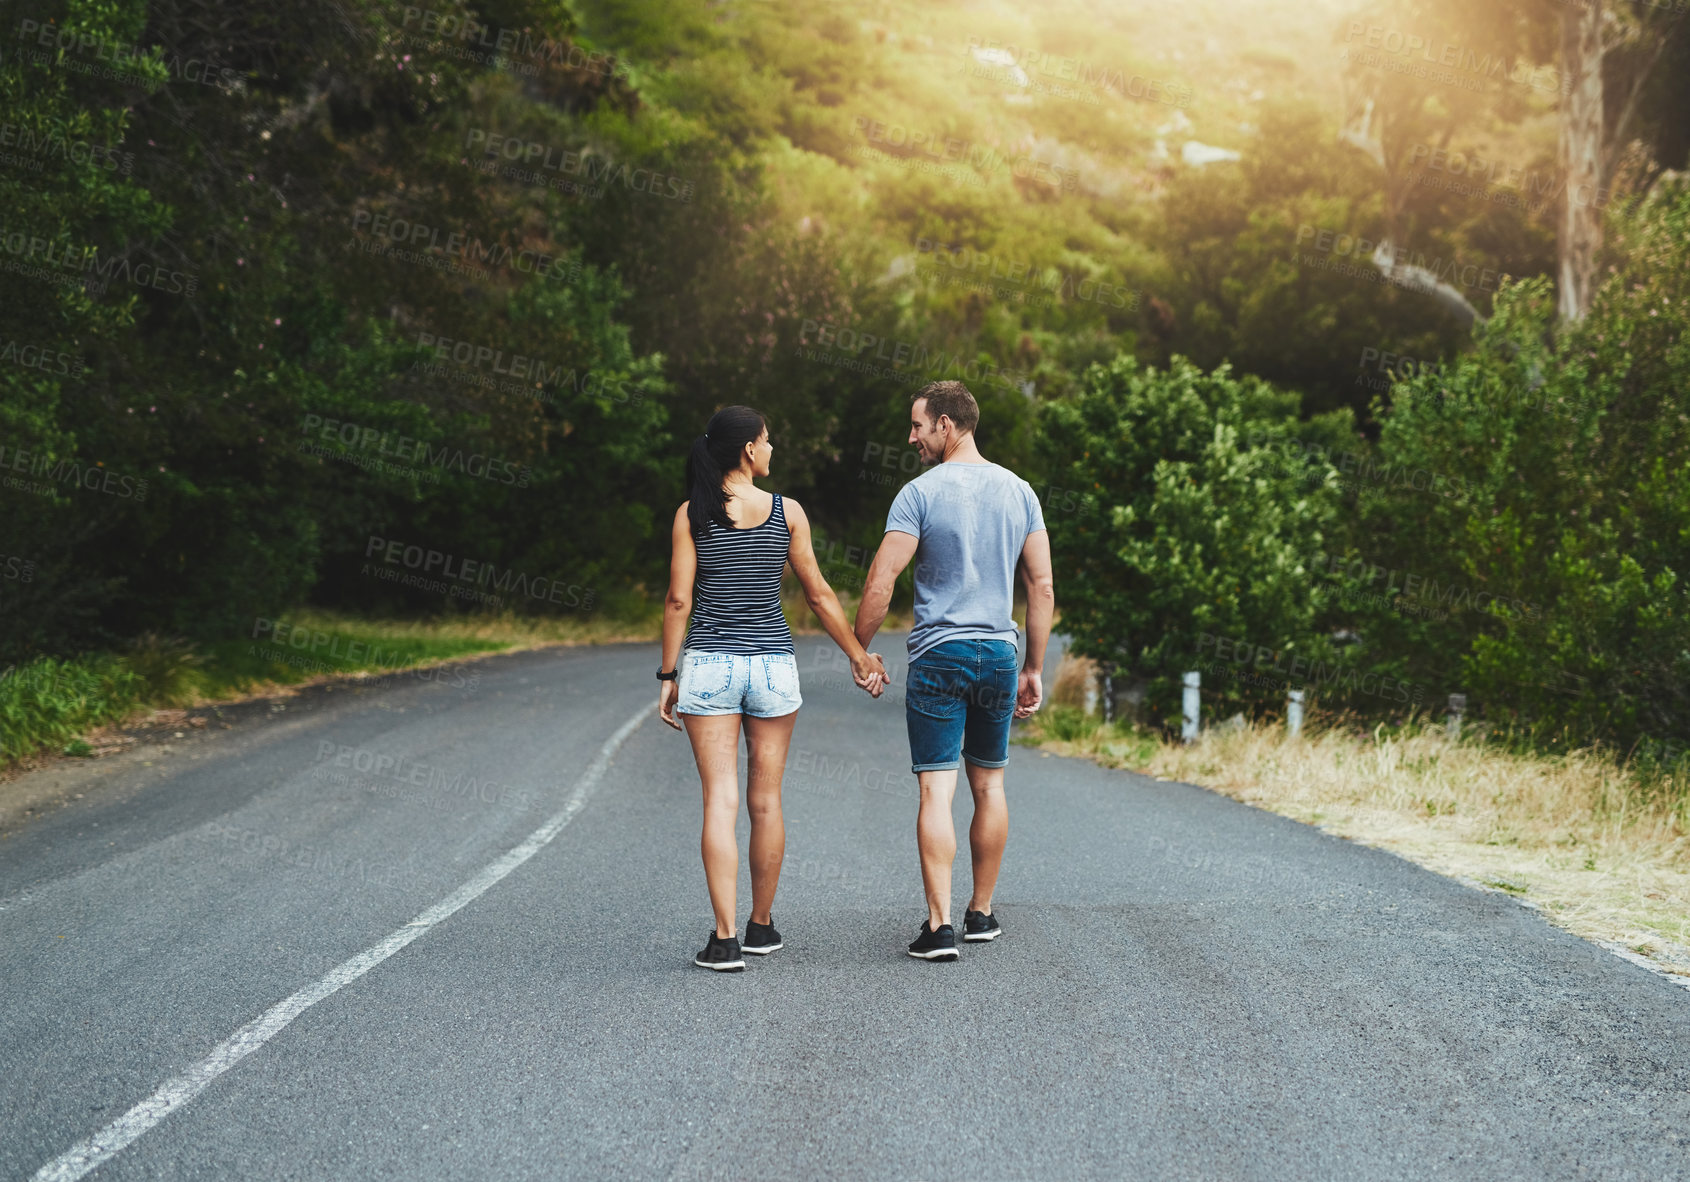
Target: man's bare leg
987,834
935,836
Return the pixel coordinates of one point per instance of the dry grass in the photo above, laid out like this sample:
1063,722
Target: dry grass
1599,848
517,632
803,621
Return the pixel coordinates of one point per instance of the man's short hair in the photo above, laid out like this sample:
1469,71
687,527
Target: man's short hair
951,399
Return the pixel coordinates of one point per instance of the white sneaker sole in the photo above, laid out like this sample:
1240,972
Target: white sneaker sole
720,966
981,939
936,954
764,950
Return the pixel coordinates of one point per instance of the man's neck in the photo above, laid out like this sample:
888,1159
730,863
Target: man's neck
963,451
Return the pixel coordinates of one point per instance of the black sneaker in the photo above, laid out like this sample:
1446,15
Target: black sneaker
761,938
978,926
721,955
931,945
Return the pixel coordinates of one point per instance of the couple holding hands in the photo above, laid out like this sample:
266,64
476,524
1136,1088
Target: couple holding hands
967,524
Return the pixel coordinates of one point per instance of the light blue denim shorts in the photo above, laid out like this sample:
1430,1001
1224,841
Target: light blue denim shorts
763,686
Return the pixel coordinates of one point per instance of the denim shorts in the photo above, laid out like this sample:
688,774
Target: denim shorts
763,686
959,698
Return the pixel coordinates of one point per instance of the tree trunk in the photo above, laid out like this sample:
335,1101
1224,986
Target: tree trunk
1580,155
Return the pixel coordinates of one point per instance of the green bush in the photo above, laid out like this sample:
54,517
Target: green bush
1177,523
1561,604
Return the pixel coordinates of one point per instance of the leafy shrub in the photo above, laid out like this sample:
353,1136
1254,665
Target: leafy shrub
1181,522
1568,559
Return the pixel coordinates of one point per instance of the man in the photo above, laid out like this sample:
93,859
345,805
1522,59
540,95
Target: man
967,523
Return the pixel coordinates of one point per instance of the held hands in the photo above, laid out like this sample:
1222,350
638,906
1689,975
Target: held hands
1030,693
668,693
869,672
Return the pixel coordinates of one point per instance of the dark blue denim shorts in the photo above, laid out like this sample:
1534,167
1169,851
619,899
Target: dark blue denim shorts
958,702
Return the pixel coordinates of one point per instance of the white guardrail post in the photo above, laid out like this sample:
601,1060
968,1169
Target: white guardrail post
1294,714
1457,707
1193,680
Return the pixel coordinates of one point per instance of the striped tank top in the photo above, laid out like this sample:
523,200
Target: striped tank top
736,593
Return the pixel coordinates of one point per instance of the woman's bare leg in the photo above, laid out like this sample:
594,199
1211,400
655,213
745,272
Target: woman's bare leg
767,740
715,746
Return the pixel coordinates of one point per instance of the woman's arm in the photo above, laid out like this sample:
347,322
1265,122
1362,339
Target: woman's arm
867,669
683,568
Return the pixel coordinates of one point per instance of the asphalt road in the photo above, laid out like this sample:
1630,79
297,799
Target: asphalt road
1187,987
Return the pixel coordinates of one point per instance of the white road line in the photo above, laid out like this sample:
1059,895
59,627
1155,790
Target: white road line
90,1154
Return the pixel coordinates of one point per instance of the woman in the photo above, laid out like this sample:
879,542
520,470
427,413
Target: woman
731,543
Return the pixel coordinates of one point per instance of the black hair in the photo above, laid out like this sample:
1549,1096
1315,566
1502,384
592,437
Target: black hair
714,454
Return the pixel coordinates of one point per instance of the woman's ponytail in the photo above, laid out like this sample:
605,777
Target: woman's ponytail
714,454
706,498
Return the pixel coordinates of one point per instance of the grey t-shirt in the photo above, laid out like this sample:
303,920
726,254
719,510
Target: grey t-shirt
970,522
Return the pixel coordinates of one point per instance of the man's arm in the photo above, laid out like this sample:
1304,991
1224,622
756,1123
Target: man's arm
1041,608
896,550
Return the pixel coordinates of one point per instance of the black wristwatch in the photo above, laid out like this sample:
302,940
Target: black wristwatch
669,676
